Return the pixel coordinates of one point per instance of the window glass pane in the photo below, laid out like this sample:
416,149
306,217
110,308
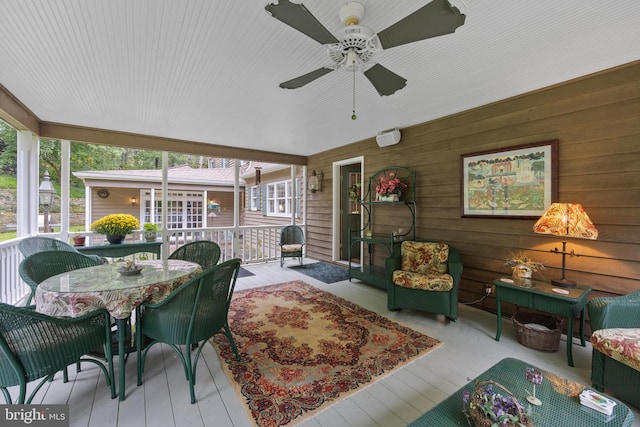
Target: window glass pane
184,210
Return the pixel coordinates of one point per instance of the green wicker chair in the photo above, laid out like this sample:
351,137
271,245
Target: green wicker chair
425,298
35,244
31,245
291,243
203,252
41,265
607,373
36,346
191,314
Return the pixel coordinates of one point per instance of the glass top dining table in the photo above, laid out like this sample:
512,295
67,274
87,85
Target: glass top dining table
77,292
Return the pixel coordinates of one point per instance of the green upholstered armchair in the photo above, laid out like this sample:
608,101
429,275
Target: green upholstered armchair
203,252
615,362
35,268
424,276
291,243
35,346
191,314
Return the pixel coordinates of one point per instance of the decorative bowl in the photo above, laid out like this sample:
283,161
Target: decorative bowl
130,272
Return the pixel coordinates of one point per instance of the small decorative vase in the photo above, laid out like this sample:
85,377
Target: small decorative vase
522,272
150,236
114,240
388,197
78,240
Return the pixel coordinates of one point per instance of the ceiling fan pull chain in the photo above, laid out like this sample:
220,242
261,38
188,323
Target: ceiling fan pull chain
353,116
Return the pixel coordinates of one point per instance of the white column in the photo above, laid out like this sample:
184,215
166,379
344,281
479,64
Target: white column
294,194
236,209
65,187
88,207
165,198
28,181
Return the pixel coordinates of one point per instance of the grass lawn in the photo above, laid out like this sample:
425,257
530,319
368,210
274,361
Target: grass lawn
12,234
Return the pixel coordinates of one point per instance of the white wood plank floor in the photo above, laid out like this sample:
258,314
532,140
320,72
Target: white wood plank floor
163,400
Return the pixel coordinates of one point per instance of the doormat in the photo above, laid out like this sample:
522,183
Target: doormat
244,273
302,349
323,271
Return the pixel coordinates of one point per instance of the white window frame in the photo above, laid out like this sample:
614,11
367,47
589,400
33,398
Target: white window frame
254,198
279,198
186,209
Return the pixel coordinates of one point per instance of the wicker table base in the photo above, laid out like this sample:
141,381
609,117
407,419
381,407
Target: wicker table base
560,401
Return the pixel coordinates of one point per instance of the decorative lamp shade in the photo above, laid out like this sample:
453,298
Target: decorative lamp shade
46,192
315,182
566,219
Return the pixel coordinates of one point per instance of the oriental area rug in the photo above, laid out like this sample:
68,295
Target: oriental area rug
302,349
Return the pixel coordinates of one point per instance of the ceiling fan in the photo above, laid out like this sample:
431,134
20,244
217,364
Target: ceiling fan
354,46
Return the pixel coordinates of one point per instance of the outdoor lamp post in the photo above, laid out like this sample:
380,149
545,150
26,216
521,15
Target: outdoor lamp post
46,194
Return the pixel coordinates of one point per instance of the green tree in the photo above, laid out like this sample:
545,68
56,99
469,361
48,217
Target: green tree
8,146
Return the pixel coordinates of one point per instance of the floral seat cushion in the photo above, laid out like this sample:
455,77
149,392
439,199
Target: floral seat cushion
292,248
424,266
427,282
621,344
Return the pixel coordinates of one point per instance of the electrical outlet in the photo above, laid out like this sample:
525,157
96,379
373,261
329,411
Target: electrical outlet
488,290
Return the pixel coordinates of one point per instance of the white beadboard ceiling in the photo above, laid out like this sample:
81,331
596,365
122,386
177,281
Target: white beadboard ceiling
208,71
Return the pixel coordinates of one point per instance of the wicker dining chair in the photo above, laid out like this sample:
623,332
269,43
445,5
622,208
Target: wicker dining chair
35,268
203,252
36,346
190,315
31,245
34,244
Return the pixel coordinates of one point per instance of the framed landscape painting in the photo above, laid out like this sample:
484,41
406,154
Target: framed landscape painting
514,182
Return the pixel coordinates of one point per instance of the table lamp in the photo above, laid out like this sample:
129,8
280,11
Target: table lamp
566,220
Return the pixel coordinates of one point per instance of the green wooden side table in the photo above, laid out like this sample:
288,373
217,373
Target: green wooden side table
122,249
545,297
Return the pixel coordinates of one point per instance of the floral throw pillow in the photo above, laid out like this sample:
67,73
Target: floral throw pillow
424,257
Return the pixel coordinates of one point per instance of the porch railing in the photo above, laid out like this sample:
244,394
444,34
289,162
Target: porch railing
251,244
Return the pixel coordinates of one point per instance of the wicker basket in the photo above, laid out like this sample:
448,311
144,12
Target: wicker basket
543,340
476,416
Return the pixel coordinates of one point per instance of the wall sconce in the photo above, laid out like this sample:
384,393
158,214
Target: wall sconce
133,201
566,220
315,181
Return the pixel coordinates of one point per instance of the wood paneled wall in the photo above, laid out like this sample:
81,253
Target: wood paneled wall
597,122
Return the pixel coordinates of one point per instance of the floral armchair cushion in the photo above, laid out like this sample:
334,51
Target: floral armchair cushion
428,282
424,266
424,257
621,344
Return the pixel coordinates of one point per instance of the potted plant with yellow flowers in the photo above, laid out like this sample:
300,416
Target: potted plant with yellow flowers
115,226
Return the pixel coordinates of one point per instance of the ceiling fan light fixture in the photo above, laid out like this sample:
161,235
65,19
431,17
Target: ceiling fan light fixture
351,13
352,62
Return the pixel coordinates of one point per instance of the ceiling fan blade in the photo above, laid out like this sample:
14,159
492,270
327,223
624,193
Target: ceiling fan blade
435,19
306,78
297,16
384,80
